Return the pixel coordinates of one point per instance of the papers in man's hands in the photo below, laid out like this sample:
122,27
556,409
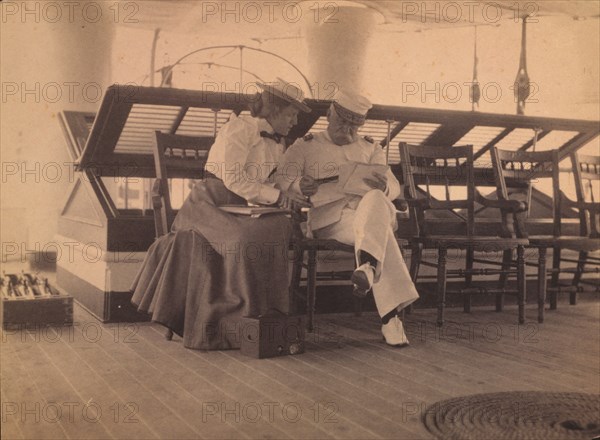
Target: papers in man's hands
352,177
254,211
328,192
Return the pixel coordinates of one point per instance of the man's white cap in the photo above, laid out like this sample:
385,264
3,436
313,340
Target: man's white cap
352,107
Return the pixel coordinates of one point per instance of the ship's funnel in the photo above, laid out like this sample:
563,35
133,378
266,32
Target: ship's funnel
337,35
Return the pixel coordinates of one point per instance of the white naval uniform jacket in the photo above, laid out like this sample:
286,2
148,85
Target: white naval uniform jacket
317,156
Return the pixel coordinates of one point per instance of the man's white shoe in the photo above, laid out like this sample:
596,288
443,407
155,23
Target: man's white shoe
393,333
362,278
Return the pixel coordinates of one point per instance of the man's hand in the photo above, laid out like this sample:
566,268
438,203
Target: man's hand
379,181
308,186
289,200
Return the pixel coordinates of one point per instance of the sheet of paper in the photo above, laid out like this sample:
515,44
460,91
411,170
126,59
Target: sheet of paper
352,177
253,211
327,193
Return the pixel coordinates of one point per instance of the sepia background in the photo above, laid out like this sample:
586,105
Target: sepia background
58,56
61,56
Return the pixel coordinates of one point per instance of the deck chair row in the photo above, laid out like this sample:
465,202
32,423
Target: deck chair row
425,168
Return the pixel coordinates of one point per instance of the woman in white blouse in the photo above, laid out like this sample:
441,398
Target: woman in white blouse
215,267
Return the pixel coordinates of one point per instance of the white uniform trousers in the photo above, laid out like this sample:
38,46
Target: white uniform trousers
370,228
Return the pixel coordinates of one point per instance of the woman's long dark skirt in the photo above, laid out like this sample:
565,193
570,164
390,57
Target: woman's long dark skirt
213,269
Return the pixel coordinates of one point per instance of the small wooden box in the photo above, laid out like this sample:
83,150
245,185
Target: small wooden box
272,335
25,312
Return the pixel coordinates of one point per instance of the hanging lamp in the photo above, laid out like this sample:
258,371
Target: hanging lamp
522,86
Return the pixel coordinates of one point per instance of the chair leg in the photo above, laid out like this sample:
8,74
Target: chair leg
577,277
415,261
521,283
555,278
499,302
507,257
295,281
311,287
541,283
468,280
441,285
169,335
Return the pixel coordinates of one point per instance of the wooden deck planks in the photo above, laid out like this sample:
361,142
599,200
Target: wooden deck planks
19,394
348,384
60,402
75,356
546,357
226,389
135,400
155,373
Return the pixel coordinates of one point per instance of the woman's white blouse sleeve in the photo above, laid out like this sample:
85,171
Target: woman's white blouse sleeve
243,169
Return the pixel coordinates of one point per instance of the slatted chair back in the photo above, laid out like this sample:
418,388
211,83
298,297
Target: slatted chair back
519,170
425,166
586,171
439,166
175,156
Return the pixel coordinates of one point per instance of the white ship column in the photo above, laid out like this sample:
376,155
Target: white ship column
337,35
57,58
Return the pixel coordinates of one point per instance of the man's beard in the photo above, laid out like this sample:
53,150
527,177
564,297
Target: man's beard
343,139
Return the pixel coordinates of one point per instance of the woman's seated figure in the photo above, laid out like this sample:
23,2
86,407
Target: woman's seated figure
215,267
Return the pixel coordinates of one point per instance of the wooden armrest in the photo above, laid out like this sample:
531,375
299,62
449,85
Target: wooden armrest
298,217
400,204
591,226
568,202
514,206
593,207
419,203
427,203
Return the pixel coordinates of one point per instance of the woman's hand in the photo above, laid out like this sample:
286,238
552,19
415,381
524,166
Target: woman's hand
379,181
308,186
290,200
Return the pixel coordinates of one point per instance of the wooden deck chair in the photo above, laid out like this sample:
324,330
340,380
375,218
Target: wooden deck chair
586,172
442,167
303,246
522,168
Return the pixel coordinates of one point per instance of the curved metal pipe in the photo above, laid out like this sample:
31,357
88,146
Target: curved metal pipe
241,48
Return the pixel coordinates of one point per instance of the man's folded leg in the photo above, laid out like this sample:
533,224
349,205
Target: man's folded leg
375,215
371,227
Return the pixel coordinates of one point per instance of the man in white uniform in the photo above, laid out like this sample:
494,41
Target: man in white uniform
368,222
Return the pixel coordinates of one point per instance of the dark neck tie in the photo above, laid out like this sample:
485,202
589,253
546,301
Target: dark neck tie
275,136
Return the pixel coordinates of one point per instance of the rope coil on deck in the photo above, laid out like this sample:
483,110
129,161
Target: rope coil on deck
516,415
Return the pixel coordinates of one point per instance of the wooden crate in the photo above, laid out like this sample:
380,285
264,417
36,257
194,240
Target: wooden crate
26,312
